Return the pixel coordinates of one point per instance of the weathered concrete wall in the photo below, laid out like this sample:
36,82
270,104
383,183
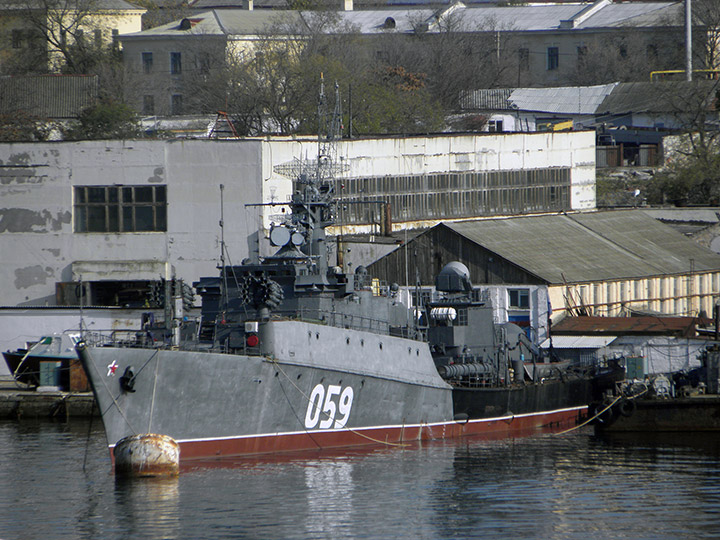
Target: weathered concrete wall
450,153
40,248
37,241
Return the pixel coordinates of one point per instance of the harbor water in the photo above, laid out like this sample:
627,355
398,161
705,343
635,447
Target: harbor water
56,482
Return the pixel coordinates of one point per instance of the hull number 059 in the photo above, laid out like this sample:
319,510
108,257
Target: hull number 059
331,408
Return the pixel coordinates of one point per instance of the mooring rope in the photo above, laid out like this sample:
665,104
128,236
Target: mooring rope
600,413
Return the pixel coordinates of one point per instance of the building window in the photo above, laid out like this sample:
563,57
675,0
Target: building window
16,39
115,38
495,126
553,58
149,105
175,63
80,36
107,209
97,34
581,56
203,61
176,105
147,62
519,298
524,59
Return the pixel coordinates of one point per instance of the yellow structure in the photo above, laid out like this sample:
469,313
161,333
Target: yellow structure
33,34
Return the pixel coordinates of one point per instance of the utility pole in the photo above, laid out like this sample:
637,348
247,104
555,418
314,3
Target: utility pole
688,40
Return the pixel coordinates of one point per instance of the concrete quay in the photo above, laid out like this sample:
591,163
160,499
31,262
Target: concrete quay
18,402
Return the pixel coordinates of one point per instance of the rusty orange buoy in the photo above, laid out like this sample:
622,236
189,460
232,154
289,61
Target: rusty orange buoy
148,454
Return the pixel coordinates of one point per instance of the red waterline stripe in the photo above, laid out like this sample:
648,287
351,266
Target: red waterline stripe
315,440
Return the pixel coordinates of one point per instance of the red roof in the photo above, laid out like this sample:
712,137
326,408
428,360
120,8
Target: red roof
618,326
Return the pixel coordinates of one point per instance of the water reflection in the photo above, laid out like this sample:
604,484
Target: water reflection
329,495
575,486
148,505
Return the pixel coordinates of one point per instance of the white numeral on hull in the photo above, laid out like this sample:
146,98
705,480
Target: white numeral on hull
324,406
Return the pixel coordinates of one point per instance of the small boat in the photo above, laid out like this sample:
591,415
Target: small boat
49,363
683,401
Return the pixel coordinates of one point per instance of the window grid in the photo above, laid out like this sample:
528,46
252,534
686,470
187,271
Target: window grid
553,58
519,298
120,209
147,62
417,197
175,63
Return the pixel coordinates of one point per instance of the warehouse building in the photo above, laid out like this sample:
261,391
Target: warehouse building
614,263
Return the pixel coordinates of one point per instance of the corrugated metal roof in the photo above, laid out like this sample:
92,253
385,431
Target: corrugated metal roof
661,96
636,15
97,5
617,326
621,244
529,18
567,99
578,342
48,96
495,99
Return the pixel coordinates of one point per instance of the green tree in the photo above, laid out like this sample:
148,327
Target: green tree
106,120
22,127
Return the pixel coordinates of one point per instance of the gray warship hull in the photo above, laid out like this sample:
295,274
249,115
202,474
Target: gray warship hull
316,387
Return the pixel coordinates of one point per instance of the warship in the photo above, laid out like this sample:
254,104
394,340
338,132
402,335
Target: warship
292,353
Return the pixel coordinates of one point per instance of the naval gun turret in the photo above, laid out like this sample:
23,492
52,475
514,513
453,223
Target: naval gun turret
468,347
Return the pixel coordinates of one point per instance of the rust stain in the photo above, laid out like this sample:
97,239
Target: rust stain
149,454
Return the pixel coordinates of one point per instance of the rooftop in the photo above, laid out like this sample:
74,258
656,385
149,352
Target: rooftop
594,246
528,18
622,326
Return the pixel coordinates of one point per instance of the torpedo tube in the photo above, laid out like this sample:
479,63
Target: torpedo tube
148,454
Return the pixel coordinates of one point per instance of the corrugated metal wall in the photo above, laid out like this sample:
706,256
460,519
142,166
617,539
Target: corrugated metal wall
680,295
454,195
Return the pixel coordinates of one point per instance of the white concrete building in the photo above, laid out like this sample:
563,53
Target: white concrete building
122,215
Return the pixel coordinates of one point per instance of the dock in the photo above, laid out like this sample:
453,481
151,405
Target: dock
18,402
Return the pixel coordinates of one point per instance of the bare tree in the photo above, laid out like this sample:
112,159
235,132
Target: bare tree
706,46
62,26
453,56
692,172
162,12
625,57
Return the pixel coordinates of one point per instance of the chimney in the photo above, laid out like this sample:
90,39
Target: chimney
347,5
